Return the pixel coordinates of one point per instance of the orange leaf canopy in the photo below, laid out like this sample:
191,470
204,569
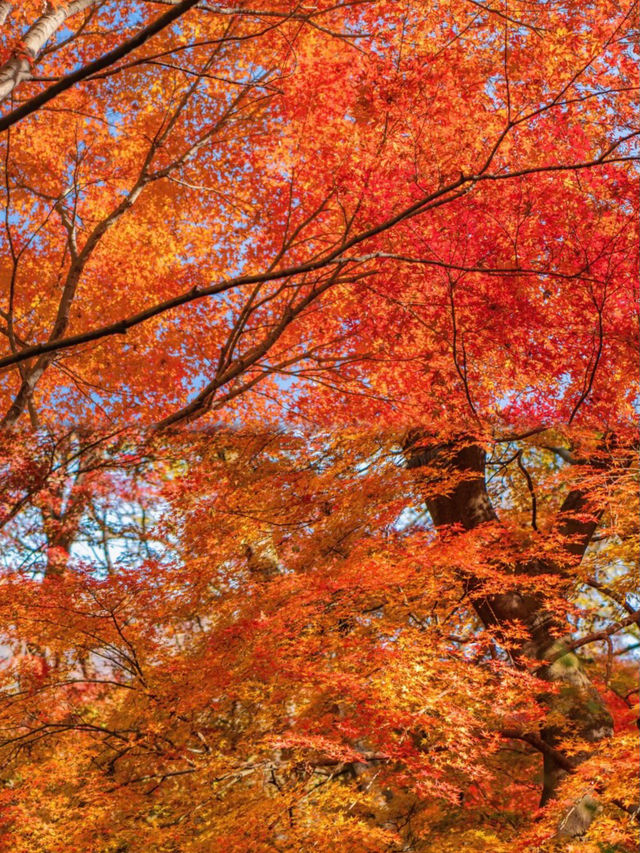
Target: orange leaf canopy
318,389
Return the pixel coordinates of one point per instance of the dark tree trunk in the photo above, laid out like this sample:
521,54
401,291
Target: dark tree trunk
465,507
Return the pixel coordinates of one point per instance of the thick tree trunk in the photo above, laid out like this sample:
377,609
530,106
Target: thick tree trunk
467,505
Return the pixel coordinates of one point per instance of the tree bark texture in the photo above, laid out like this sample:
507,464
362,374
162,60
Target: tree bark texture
466,507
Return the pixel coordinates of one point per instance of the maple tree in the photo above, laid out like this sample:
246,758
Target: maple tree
319,375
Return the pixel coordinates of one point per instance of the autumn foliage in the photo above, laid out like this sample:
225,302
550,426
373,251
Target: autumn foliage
318,403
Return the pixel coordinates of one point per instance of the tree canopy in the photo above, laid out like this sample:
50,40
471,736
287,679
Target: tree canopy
318,404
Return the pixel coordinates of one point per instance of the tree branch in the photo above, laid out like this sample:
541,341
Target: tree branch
107,59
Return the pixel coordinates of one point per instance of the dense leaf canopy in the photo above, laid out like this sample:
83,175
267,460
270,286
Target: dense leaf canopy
318,402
